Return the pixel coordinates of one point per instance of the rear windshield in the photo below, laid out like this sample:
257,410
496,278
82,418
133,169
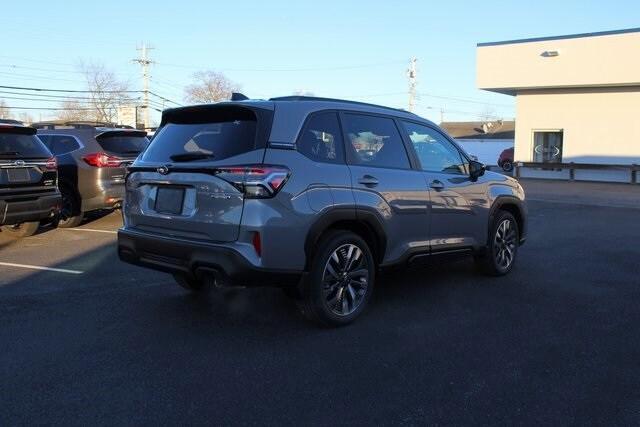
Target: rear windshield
223,134
14,146
123,144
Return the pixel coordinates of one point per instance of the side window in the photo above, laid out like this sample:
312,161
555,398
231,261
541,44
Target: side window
435,152
375,141
321,139
61,144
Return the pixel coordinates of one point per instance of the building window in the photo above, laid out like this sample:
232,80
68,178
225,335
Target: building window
547,146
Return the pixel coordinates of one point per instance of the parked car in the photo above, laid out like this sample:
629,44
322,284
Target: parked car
28,179
505,161
92,160
284,192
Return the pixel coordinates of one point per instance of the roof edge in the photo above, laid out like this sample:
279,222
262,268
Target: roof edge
568,36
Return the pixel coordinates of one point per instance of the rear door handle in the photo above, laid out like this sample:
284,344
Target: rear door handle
437,185
368,180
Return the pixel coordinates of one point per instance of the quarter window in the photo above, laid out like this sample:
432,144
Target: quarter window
62,144
321,139
435,152
375,141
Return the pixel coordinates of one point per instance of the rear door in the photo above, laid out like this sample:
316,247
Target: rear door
384,182
24,162
180,185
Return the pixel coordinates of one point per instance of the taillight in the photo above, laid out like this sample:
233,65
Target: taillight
102,160
51,164
255,181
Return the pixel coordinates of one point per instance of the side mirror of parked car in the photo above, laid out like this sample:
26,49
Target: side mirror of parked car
476,170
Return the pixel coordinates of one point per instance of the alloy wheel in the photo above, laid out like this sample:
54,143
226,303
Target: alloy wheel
504,244
345,279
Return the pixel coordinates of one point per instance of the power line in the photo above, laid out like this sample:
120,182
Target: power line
44,95
67,90
22,67
59,99
346,67
34,77
473,101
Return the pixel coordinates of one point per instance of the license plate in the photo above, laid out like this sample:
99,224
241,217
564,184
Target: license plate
18,175
169,200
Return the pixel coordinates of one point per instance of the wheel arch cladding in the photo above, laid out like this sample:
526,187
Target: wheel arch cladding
512,205
366,226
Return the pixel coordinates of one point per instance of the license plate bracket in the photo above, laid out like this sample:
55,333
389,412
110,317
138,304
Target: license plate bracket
18,175
169,200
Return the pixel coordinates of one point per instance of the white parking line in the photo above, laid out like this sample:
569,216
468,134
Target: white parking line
91,229
37,267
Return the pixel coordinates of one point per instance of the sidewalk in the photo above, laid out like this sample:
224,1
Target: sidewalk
587,193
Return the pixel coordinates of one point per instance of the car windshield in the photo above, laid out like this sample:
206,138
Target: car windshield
23,146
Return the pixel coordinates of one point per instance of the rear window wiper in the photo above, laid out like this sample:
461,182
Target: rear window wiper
187,157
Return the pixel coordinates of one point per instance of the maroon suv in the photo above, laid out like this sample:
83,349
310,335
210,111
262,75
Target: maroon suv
505,161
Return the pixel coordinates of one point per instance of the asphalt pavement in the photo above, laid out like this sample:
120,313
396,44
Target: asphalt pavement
100,342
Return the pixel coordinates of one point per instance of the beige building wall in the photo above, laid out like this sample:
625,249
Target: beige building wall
599,125
607,60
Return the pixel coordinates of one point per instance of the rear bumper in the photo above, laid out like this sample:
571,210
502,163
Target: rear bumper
174,255
108,196
25,208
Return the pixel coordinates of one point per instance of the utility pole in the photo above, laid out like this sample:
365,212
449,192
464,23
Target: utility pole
144,61
441,115
412,75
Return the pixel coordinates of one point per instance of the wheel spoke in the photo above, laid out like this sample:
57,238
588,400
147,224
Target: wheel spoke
362,272
331,271
345,303
352,294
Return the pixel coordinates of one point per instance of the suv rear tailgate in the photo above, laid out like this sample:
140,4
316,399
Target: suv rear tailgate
173,189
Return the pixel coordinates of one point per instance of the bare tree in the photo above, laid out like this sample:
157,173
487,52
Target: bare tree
209,86
25,118
74,111
5,112
105,92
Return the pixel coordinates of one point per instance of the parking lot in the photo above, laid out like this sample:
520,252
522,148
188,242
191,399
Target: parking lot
86,339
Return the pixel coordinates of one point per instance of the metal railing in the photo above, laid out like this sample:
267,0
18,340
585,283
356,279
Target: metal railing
572,167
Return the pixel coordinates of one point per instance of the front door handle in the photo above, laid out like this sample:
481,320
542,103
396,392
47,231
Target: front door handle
437,185
368,180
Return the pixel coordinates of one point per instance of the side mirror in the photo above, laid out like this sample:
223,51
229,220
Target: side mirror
476,170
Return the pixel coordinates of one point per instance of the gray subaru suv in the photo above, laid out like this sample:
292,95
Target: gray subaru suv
313,195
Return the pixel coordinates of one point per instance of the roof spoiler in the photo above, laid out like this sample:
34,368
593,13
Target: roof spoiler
17,128
237,96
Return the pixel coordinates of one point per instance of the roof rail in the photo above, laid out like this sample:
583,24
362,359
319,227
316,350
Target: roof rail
76,124
345,101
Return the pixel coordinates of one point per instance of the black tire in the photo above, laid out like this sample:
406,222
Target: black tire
192,284
25,229
501,252
70,215
507,166
337,289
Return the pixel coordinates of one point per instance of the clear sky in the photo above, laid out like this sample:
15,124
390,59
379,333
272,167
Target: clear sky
347,49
